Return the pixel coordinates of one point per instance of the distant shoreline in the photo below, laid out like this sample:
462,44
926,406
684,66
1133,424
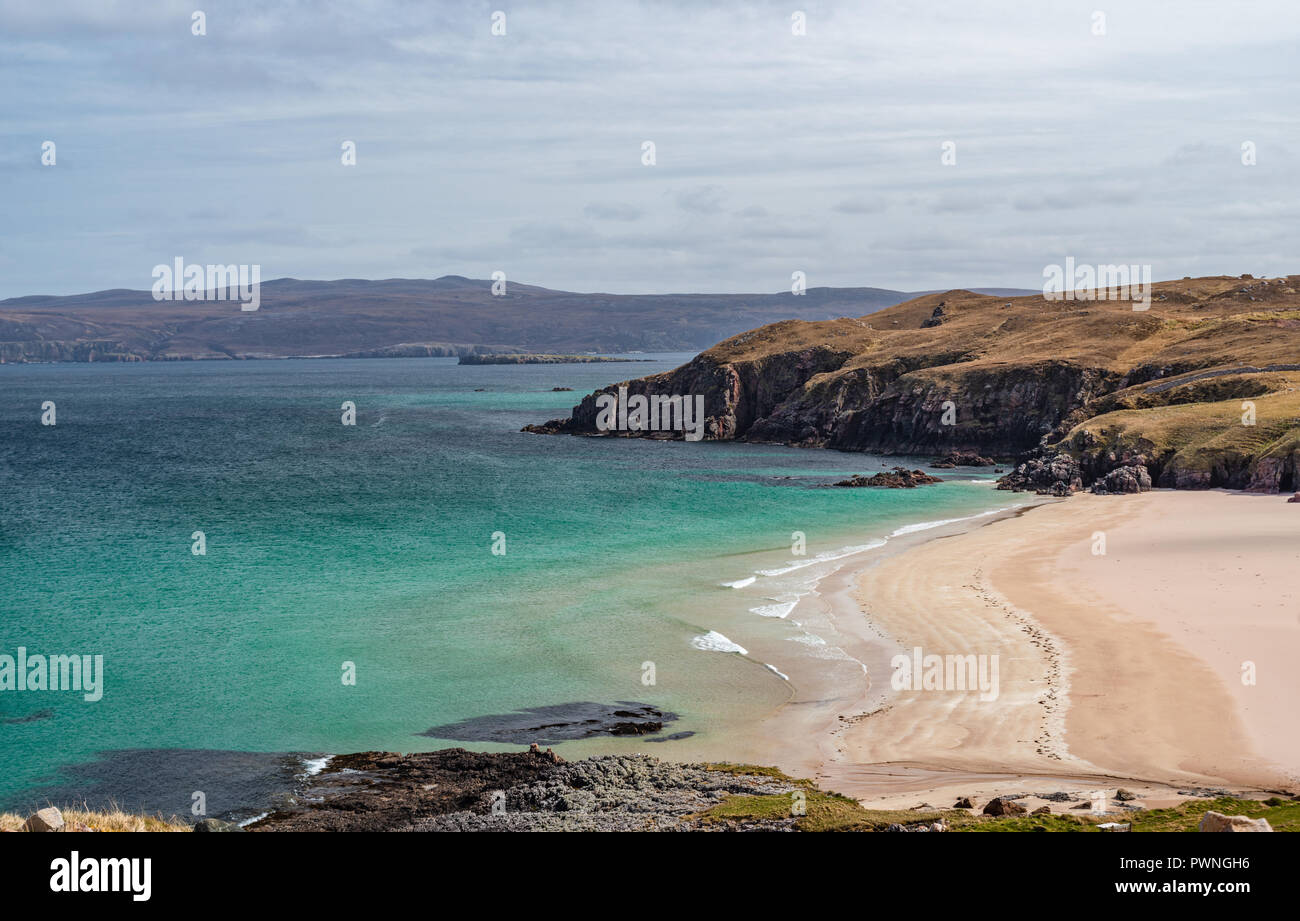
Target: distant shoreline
542,359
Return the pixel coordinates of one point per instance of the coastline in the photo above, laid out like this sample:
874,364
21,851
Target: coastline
1117,669
824,682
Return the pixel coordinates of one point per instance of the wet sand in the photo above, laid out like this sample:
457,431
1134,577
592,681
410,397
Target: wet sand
1121,668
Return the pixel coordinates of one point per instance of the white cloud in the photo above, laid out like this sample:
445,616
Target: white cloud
525,148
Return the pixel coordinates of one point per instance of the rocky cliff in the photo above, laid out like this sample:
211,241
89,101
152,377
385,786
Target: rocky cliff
1200,389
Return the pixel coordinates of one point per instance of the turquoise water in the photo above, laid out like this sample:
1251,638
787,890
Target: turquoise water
372,544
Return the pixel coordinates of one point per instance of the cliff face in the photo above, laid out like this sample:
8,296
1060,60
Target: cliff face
960,371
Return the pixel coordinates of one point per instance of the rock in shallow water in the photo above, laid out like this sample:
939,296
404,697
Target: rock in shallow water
558,723
898,478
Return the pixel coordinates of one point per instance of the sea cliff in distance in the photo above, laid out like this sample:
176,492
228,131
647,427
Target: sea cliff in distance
1199,390
398,318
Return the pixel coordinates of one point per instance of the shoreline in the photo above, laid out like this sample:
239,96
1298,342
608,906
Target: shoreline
1092,691
808,727
1084,675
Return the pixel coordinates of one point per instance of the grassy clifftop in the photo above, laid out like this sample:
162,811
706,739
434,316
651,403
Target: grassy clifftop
997,375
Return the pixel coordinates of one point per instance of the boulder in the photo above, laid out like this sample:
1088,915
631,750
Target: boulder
215,825
1045,473
1295,498
1042,810
964,803
1000,806
1217,821
47,819
1128,479
1125,796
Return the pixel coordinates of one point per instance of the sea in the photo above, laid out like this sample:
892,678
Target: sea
360,586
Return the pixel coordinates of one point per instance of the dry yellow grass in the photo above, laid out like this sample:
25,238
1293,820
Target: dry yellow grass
1209,321
106,820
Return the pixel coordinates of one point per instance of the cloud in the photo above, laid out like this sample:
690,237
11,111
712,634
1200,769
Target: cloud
775,151
860,206
612,211
705,199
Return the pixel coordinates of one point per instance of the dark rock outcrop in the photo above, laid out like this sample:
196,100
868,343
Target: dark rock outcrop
557,723
1126,479
898,478
457,790
1045,472
963,459
935,318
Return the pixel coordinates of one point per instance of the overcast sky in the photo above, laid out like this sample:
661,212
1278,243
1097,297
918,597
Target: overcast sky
775,152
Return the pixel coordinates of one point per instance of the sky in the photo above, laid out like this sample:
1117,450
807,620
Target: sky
775,152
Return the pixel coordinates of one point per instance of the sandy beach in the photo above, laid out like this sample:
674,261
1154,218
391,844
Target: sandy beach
1116,668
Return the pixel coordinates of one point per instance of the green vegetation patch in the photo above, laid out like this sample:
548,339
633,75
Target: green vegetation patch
756,770
1283,817
822,812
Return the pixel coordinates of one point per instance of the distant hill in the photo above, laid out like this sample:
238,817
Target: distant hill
1202,388
394,317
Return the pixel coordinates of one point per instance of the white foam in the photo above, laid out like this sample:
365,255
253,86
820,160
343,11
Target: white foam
808,639
314,765
740,583
256,818
828,557
927,525
782,675
713,641
781,609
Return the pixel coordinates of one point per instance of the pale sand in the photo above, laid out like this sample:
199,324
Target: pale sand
1121,669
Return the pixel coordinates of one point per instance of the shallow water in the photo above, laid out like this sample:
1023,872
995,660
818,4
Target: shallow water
372,544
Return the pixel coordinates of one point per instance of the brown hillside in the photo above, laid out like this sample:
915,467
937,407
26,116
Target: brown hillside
1019,372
